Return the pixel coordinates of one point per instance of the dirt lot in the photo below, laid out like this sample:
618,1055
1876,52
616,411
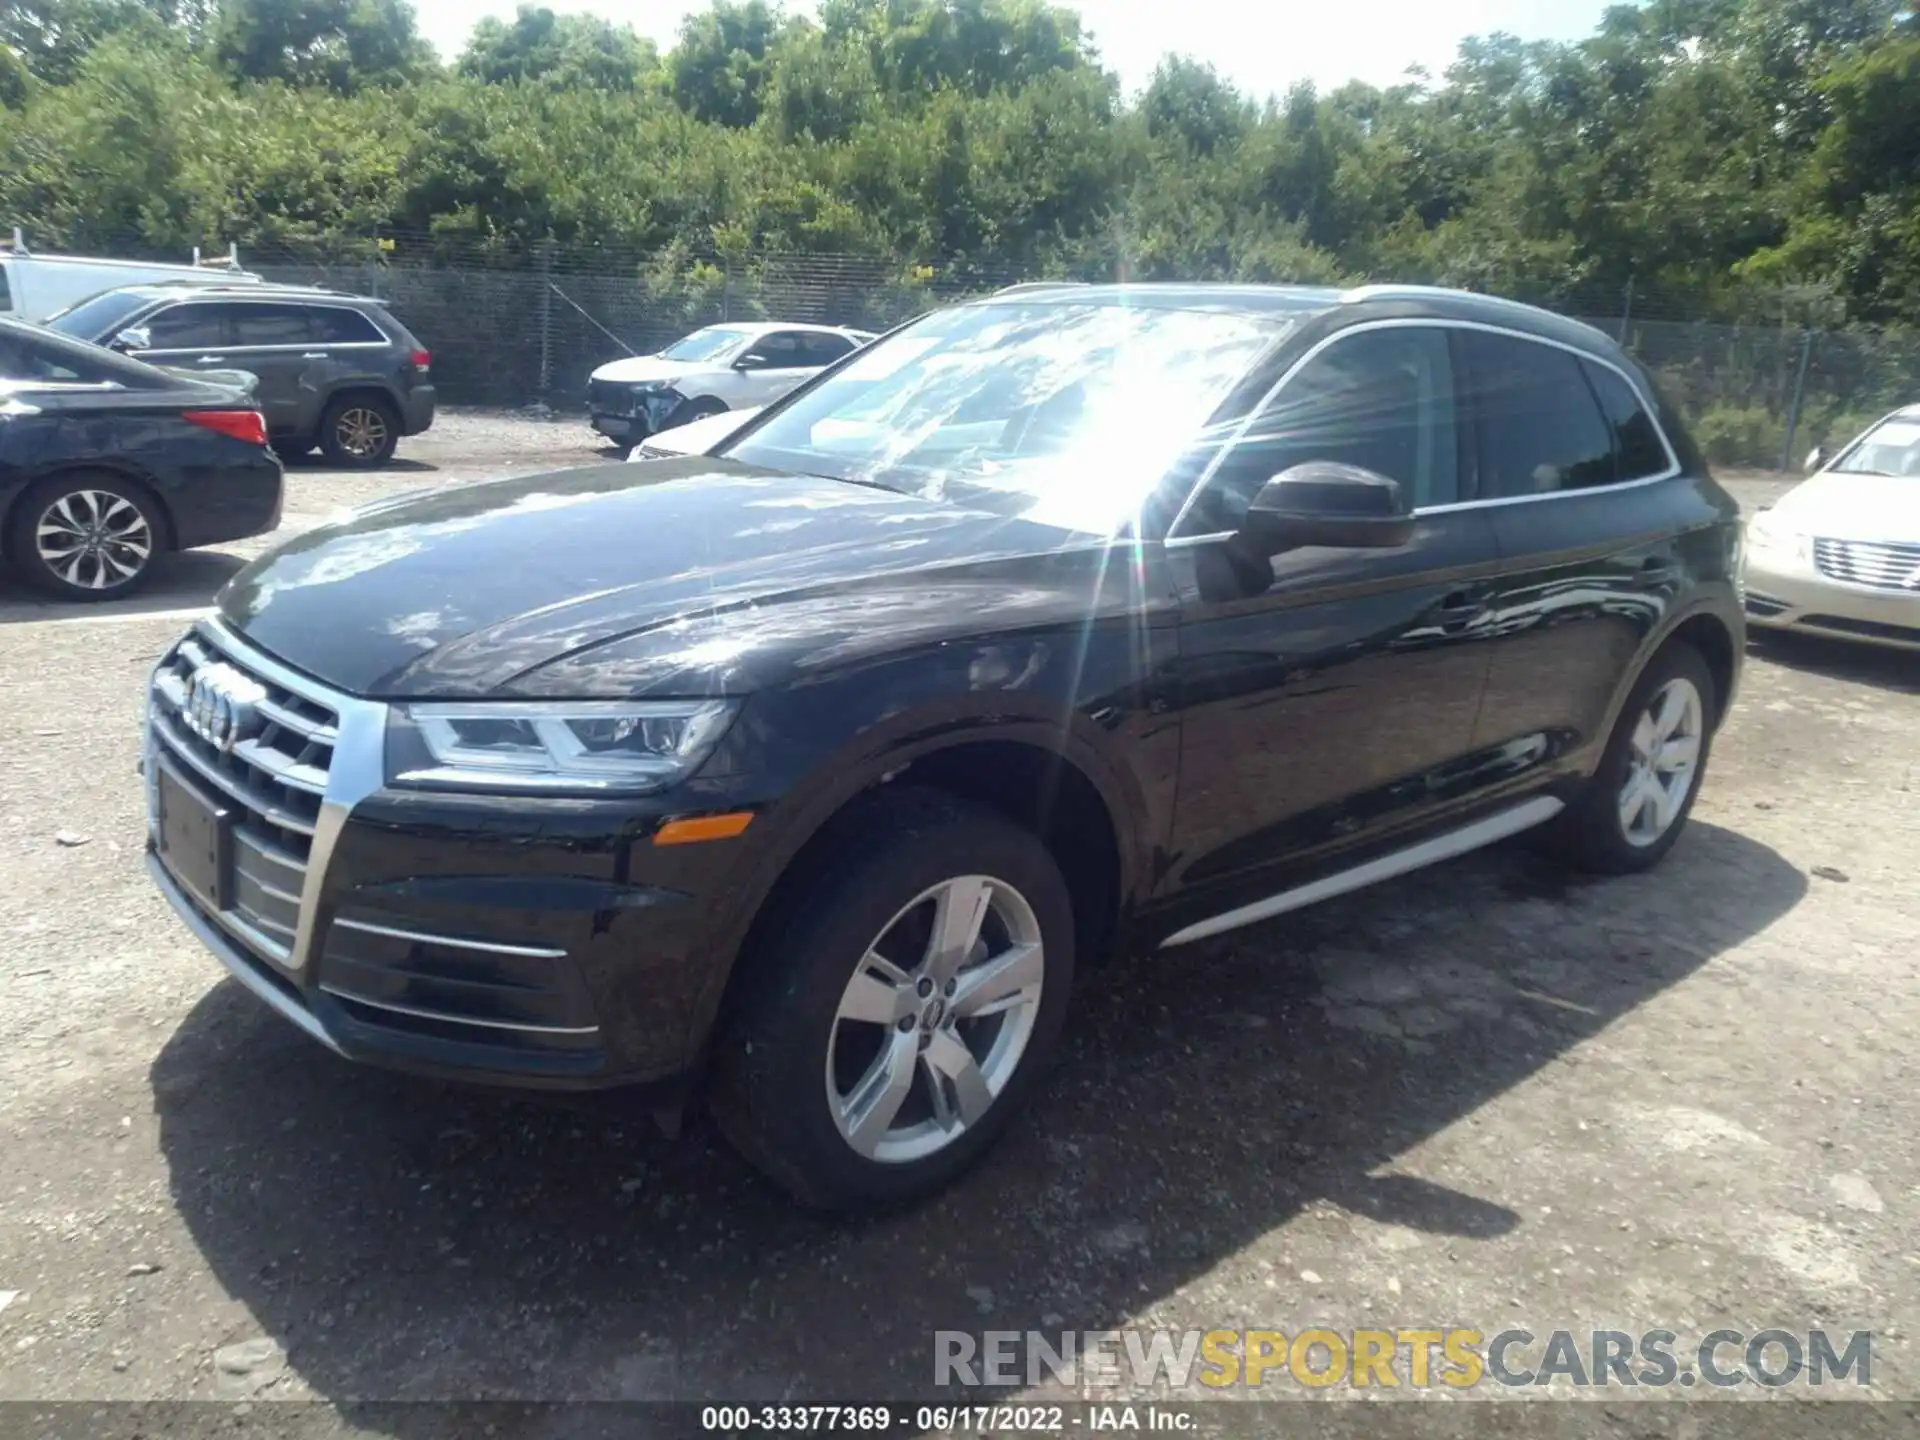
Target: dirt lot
1480,1095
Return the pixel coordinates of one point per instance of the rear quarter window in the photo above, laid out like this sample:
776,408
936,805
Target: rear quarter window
337,325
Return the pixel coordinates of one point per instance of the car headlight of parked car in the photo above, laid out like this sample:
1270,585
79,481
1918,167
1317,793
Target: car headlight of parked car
1767,535
573,747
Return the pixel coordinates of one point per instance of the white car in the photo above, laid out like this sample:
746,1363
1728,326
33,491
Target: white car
723,367
696,437
1840,553
39,287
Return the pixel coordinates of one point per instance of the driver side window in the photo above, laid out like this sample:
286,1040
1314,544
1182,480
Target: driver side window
1380,399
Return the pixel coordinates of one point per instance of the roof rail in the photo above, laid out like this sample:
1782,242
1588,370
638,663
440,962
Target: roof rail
229,261
1030,285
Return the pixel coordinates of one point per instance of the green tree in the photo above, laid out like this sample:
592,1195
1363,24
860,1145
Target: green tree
563,51
341,44
721,66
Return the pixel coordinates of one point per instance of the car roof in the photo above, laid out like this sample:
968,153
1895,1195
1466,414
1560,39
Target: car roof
1301,301
175,289
767,327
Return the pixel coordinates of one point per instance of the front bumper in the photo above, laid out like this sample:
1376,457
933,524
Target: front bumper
629,413
1785,592
540,943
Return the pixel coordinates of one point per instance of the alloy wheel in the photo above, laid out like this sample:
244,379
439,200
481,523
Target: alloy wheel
935,1020
361,431
1662,760
93,539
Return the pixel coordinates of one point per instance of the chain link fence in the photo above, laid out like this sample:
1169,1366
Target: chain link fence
514,321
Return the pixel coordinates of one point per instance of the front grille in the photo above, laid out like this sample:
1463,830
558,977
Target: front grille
609,397
274,775
1867,562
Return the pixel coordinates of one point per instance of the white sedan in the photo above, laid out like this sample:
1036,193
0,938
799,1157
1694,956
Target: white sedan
1840,553
720,368
696,437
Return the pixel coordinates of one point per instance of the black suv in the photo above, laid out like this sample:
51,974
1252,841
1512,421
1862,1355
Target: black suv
336,371
1052,625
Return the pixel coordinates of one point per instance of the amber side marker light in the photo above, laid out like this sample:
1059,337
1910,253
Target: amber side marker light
706,827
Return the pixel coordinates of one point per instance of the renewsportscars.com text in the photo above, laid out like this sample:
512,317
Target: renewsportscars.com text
1418,1358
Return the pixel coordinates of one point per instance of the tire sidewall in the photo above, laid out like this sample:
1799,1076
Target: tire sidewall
337,454
24,552
820,949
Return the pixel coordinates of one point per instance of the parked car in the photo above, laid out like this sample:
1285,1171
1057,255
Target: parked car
723,367
804,776
107,463
1839,554
696,437
33,287
336,371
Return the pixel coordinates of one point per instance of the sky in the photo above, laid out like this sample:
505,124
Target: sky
1262,46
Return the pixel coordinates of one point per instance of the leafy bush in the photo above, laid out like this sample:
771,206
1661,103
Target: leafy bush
1746,437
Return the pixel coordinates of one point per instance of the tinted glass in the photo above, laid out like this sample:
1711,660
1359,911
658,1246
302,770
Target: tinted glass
822,349
1637,451
780,351
1380,399
6,294
1540,427
98,316
32,354
270,325
188,327
334,325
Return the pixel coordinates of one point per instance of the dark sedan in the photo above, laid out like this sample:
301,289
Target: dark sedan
106,463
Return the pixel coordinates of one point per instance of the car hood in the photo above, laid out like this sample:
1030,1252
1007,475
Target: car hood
694,575
637,368
1885,508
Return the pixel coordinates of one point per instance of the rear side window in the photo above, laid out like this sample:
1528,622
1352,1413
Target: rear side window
1541,430
6,291
255,324
334,325
1637,451
188,327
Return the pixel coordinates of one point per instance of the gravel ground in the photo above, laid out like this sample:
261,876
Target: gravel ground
1479,1095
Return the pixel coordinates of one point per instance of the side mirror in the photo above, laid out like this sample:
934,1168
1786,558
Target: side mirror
752,360
134,337
1816,457
1324,503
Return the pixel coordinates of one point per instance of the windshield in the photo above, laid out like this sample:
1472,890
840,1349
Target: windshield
708,344
1891,448
1069,412
97,317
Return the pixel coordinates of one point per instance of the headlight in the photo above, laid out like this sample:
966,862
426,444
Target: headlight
591,748
1767,535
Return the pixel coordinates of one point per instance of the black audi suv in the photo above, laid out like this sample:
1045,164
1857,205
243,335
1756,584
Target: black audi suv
799,779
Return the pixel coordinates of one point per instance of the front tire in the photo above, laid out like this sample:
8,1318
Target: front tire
86,535
359,432
900,1012
1632,811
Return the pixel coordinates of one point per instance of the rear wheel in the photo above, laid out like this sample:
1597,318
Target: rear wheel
360,431
913,997
1635,806
85,536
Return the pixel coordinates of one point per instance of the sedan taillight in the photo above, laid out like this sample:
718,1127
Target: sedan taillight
247,425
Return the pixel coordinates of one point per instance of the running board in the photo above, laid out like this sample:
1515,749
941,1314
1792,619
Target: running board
1414,857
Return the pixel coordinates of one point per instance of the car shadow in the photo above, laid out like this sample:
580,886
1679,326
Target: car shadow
409,1240
181,581
399,465
1875,665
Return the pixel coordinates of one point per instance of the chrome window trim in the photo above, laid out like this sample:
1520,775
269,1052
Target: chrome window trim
1438,322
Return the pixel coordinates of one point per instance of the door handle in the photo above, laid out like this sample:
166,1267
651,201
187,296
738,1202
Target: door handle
316,355
212,360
